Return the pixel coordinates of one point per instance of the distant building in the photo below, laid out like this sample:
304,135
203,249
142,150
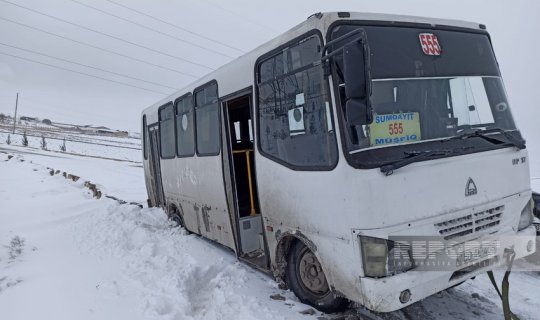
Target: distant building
121,134
106,132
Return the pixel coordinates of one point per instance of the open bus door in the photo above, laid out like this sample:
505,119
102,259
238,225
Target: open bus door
156,195
241,184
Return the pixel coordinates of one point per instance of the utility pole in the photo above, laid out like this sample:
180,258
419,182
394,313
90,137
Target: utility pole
15,118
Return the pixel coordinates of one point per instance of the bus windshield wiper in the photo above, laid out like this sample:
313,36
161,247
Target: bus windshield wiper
512,141
414,156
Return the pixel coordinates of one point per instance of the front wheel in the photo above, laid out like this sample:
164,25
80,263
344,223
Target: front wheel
305,277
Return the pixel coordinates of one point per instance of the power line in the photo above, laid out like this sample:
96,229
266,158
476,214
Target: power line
176,26
102,49
108,35
248,19
152,29
86,74
87,66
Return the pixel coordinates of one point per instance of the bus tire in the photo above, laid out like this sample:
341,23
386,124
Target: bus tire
175,217
305,277
177,220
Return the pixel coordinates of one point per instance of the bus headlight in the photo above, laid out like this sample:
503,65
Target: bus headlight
383,258
526,218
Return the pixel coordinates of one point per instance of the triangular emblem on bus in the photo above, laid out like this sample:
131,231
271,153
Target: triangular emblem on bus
470,188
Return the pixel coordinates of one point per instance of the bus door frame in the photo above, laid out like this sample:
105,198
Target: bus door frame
229,177
154,166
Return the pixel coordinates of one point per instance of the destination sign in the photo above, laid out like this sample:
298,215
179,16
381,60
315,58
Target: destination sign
395,128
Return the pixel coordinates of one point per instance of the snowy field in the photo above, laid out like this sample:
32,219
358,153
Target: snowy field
65,255
79,144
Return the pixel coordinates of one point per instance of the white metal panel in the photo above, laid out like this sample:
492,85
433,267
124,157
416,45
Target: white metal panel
211,194
250,232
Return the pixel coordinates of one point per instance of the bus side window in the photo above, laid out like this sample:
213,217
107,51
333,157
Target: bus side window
207,118
166,131
294,111
185,127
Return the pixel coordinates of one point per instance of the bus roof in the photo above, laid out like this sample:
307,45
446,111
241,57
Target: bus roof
240,72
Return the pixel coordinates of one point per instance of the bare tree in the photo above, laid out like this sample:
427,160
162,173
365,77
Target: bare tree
63,146
43,143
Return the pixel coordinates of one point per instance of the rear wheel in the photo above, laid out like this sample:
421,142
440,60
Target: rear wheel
305,277
175,218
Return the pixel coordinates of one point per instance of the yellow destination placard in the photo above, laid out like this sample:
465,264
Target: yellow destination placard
395,128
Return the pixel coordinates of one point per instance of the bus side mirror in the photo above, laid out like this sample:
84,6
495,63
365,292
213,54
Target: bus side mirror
357,83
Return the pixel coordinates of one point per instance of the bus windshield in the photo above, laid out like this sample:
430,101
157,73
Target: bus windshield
412,110
425,90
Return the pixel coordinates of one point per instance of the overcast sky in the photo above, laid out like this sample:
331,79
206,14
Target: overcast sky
169,61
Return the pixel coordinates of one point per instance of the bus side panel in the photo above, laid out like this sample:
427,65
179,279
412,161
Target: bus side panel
195,186
214,214
312,205
148,181
180,187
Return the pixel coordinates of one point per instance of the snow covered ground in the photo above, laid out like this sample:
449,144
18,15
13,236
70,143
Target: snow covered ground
66,255
80,144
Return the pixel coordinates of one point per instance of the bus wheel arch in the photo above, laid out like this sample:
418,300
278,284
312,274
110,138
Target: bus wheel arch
175,215
285,241
299,269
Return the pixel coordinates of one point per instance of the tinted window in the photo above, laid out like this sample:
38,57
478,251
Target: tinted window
185,127
418,97
292,58
166,131
397,53
295,120
207,115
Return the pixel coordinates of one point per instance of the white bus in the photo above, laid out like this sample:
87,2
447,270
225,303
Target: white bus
310,155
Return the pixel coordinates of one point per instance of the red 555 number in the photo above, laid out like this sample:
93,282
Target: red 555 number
395,128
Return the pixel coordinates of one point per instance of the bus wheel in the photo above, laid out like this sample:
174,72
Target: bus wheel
305,277
176,220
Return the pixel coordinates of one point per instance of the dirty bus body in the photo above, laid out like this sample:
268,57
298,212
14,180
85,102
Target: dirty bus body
366,128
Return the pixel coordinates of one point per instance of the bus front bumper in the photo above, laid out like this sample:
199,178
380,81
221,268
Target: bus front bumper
395,292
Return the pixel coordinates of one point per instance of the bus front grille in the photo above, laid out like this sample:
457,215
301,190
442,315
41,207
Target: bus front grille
470,224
